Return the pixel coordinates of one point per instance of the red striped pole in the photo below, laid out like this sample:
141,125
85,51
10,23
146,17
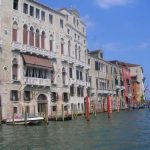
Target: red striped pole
109,109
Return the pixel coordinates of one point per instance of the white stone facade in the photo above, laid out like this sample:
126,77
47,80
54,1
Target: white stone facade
31,33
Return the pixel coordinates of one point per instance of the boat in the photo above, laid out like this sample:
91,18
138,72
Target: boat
23,121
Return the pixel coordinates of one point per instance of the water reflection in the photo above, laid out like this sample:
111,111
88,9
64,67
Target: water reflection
124,131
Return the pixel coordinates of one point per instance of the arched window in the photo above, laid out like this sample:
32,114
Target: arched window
15,69
76,53
37,38
14,31
43,40
62,46
51,43
79,53
25,34
69,45
31,42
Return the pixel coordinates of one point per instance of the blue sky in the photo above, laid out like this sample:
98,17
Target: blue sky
120,27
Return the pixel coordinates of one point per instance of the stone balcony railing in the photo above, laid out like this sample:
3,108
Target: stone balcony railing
88,84
33,50
71,60
64,58
80,63
37,81
72,81
81,82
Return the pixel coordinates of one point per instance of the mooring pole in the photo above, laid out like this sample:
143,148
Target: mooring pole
87,114
109,110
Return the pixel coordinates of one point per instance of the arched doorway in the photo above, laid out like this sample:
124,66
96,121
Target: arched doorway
42,104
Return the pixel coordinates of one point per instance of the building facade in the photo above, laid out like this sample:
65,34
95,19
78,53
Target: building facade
43,59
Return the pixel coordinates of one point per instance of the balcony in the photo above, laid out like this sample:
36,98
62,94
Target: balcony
32,50
64,58
37,81
80,82
71,60
52,55
72,81
88,84
80,63
103,91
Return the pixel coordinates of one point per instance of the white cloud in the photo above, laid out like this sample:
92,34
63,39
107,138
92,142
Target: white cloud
111,3
87,20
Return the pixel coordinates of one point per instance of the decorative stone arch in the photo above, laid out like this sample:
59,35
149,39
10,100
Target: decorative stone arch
42,98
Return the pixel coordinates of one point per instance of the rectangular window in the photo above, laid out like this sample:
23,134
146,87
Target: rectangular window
15,110
77,74
54,108
82,91
14,95
96,65
15,5
62,48
15,71
14,34
78,91
61,23
71,90
81,77
88,61
26,95
51,45
28,110
50,19
32,11
37,13
25,8
42,15
70,72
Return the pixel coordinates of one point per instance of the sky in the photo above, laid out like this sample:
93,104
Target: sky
120,27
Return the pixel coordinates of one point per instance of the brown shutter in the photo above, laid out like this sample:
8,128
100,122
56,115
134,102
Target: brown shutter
25,36
14,35
42,41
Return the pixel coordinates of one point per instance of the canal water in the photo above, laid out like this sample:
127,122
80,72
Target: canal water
127,130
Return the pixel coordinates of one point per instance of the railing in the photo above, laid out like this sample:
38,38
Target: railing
80,82
37,81
104,91
80,63
31,49
64,57
71,60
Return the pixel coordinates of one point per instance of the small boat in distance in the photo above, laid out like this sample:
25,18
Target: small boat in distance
23,121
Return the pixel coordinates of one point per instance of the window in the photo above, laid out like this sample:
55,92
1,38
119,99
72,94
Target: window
26,96
25,8
65,97
50,19
96,65
79,54
69,48
15,5
75,35
28,109
77,74
42,15
43,40
25,34
88,61
31,42
14,95
62,46
76,53
14,31
77,22
54,96
70,72
74,20
54,108
71,90
61,23
68,31
81,77
32,11
37,13
78,37
14,71
51,43
15,110
78,91
37,38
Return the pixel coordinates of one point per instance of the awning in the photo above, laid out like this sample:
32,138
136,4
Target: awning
35,61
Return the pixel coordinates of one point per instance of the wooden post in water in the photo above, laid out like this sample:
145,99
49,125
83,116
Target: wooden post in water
76,111
95,108
109,110
72,111
87,114
46,114
0,111
25,116
62,112
56,116
13,116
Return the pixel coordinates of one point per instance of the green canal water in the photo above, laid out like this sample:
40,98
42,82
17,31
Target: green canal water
127,130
